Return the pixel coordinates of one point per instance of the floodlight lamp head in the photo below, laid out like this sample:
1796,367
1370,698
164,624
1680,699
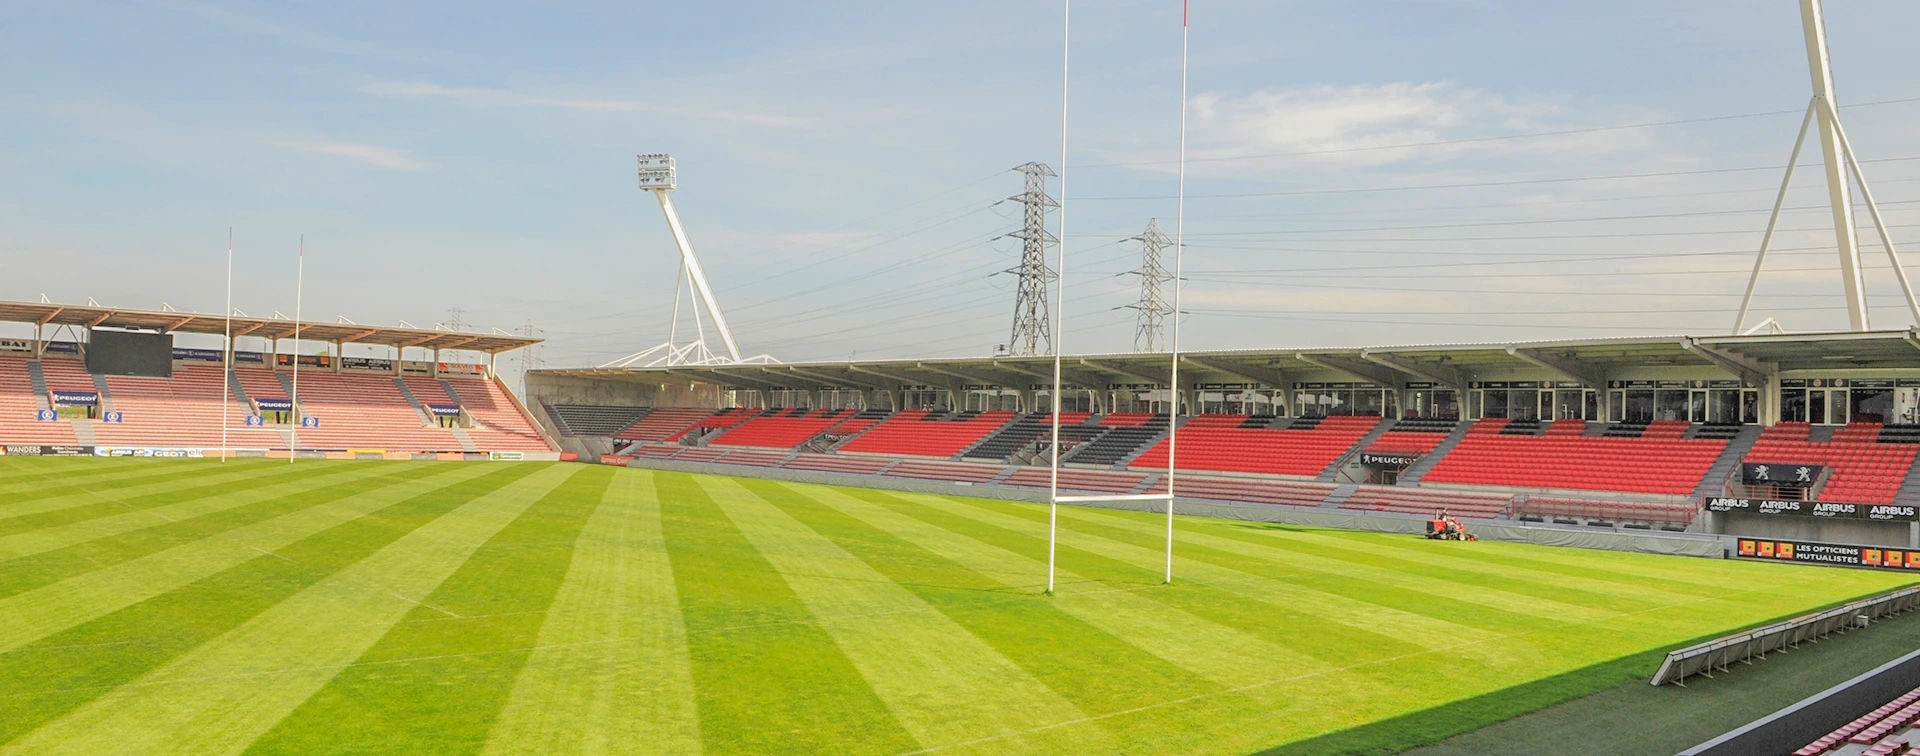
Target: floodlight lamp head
657,171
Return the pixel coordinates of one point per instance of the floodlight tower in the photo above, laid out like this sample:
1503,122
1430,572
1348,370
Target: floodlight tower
1842,172
659,176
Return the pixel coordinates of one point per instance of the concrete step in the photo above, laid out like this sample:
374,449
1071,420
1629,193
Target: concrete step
1728,463
1339,495
1418,470
83,433
1332,473
106,394
418,408
39,379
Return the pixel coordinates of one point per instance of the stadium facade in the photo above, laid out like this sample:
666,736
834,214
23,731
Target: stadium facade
1800,438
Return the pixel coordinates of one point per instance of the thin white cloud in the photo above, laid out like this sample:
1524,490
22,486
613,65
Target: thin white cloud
501,98
378,157
1371,124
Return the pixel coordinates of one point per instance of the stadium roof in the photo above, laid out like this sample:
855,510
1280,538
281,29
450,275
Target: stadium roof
1592,361
170,321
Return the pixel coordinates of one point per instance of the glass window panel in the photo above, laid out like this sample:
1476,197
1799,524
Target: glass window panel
1496,404
1793,405
1640,406
1873,405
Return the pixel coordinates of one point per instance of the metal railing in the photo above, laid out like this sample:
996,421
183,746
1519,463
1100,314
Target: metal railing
1704,658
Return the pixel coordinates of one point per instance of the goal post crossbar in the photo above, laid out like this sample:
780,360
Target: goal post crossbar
1112,497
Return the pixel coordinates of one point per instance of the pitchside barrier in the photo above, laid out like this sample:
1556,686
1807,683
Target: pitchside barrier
1703,659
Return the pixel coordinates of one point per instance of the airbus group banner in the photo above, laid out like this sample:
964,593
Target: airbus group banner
1829,553
1889,512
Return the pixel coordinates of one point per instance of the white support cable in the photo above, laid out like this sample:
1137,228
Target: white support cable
1060,294
1873,209
1773,220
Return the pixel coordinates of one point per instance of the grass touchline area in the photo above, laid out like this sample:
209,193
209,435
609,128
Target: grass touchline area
520,608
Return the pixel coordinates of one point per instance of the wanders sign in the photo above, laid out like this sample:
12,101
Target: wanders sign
1888,512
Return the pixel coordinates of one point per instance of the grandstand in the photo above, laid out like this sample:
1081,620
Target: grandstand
343,406
1635,433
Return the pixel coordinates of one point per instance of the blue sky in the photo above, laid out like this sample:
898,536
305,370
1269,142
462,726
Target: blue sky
842,164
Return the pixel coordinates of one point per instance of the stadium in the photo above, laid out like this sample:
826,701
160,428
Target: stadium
225,532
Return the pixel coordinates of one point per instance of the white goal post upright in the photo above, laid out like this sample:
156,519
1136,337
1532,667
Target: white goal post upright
1054,498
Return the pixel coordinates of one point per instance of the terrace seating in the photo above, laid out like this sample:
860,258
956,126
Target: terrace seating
364,411
1863,470
1125,434
498,423
754,457
917,433
1665,464
1239,443
954,471
585,420
662,423
18,407
1424,501
1886,730
1648,513
854,426
723,419
1261,491
186,410
1039,425
1093,481
852,465
1412,437
781,431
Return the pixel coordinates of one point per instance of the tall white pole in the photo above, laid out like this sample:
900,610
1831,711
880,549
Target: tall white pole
1839,192
226,359
699,276
1879,223
1179,254
299,287
1059,297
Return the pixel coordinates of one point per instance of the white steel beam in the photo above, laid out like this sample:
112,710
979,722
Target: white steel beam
698,275
1839,190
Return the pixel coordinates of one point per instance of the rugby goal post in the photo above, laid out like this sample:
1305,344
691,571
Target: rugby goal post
1054,499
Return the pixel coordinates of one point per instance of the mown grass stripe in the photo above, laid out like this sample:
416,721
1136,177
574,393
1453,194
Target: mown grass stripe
1504,595
150,495
476,628
225,693
1000,603
191,506
104,629
49,499
18,474
942,684
21,575
1226,656
1410,624
767,679
610,672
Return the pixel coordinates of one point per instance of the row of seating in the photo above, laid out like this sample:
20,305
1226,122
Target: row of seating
662,423
1862,469
1004,442
1885,731
782,431
1404,500
1123,438
589,420
1225,443
918,433
1427,501
1664,464
353,410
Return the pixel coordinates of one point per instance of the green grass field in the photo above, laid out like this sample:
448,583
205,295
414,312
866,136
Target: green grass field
168,606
